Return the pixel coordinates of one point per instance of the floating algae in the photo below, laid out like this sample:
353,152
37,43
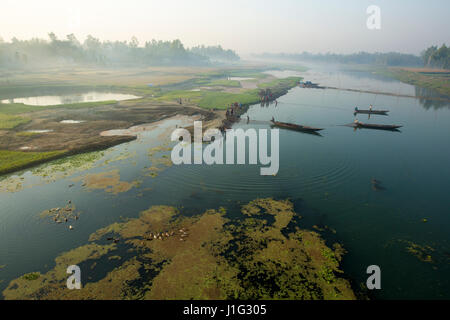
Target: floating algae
52,171
108,181
68,166
11,184
122,156
206,256
159,162
423,253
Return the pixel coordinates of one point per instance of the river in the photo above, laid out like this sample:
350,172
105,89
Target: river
328,178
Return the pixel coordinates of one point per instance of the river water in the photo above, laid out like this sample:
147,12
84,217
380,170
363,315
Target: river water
328,177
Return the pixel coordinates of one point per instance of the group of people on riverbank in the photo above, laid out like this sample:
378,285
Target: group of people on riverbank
231,109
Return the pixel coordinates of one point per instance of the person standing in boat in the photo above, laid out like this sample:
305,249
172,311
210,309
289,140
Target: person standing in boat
370,108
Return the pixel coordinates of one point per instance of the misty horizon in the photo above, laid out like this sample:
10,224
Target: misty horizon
286,26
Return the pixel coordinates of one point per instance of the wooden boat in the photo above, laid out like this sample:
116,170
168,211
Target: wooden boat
294,127
377,126
381,112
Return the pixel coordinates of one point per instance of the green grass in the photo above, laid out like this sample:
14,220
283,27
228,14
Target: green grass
212,99
31,276
221,100
280,83
10,122
14,160
439,82
225,83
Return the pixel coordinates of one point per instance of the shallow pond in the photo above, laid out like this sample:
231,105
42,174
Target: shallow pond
92,96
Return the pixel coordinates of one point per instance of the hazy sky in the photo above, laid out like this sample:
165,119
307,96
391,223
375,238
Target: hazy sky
247,26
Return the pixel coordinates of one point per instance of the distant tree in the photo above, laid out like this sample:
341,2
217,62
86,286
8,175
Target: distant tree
216,53
437,57
134,42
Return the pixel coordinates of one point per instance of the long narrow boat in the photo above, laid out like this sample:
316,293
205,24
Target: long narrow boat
377,126
295,127
381,112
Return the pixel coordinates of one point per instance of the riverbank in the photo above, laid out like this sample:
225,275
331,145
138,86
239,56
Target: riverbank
32,135
434,79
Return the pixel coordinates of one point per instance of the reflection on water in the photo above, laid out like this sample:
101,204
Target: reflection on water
367,81
439,101
92,96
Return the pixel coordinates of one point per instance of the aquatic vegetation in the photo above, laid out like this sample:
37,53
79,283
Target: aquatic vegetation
11,184
108,181
159,161
423,253
15,160
122,156
207,256
68,166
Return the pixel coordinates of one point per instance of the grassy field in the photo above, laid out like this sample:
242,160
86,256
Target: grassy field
15,160
280,83
438,80
210,99
10,122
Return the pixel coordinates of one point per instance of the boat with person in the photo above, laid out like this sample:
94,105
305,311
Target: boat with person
370,111
295,127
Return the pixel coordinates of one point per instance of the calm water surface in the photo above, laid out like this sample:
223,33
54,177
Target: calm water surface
92,96
328,177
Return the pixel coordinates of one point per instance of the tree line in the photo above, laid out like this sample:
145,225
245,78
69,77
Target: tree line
216,53
435,57
93,51
381,59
